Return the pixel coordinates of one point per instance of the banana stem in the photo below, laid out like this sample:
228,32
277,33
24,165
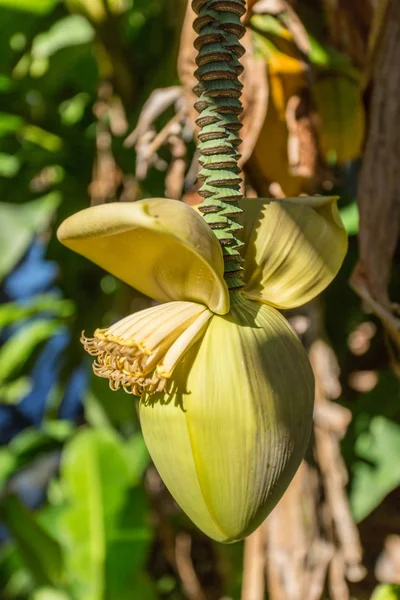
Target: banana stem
219,90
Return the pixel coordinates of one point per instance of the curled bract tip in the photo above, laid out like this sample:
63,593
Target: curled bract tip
163,248
294,247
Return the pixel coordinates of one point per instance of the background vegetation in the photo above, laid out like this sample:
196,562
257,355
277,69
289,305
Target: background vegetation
84,515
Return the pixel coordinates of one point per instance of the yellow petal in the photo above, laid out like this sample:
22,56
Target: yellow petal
293,248
163,248
230,437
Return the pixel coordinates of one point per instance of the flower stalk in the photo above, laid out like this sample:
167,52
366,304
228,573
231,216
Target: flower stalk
219,106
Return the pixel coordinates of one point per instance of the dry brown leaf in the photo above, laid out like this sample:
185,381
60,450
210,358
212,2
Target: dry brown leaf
348,24
255,99
186,60
286,153
250,6
388,564
253,586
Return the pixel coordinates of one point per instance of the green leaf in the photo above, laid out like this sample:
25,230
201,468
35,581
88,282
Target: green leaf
15,579
46,140
49,594
351,218
8,464
32,6
104,523
9,123
386,592
138,457
13,392
31,440
325,56
95,413
18,348
9,165
6,83
68,31
268,25
379,472
51,303
31,443
102,410
72,110
40,552
19,223
127,548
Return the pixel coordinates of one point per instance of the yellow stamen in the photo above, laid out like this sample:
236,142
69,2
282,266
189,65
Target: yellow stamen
139,353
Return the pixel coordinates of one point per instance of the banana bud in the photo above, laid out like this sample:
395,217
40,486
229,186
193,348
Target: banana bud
230,435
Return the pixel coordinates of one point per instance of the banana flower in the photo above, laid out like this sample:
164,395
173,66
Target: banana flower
226,389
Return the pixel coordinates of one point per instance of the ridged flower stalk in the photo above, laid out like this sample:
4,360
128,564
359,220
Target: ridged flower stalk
219,106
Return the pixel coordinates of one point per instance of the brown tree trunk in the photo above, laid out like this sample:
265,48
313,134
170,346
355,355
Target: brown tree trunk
379,187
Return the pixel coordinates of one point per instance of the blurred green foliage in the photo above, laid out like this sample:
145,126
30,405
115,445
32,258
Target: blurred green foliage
387,592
